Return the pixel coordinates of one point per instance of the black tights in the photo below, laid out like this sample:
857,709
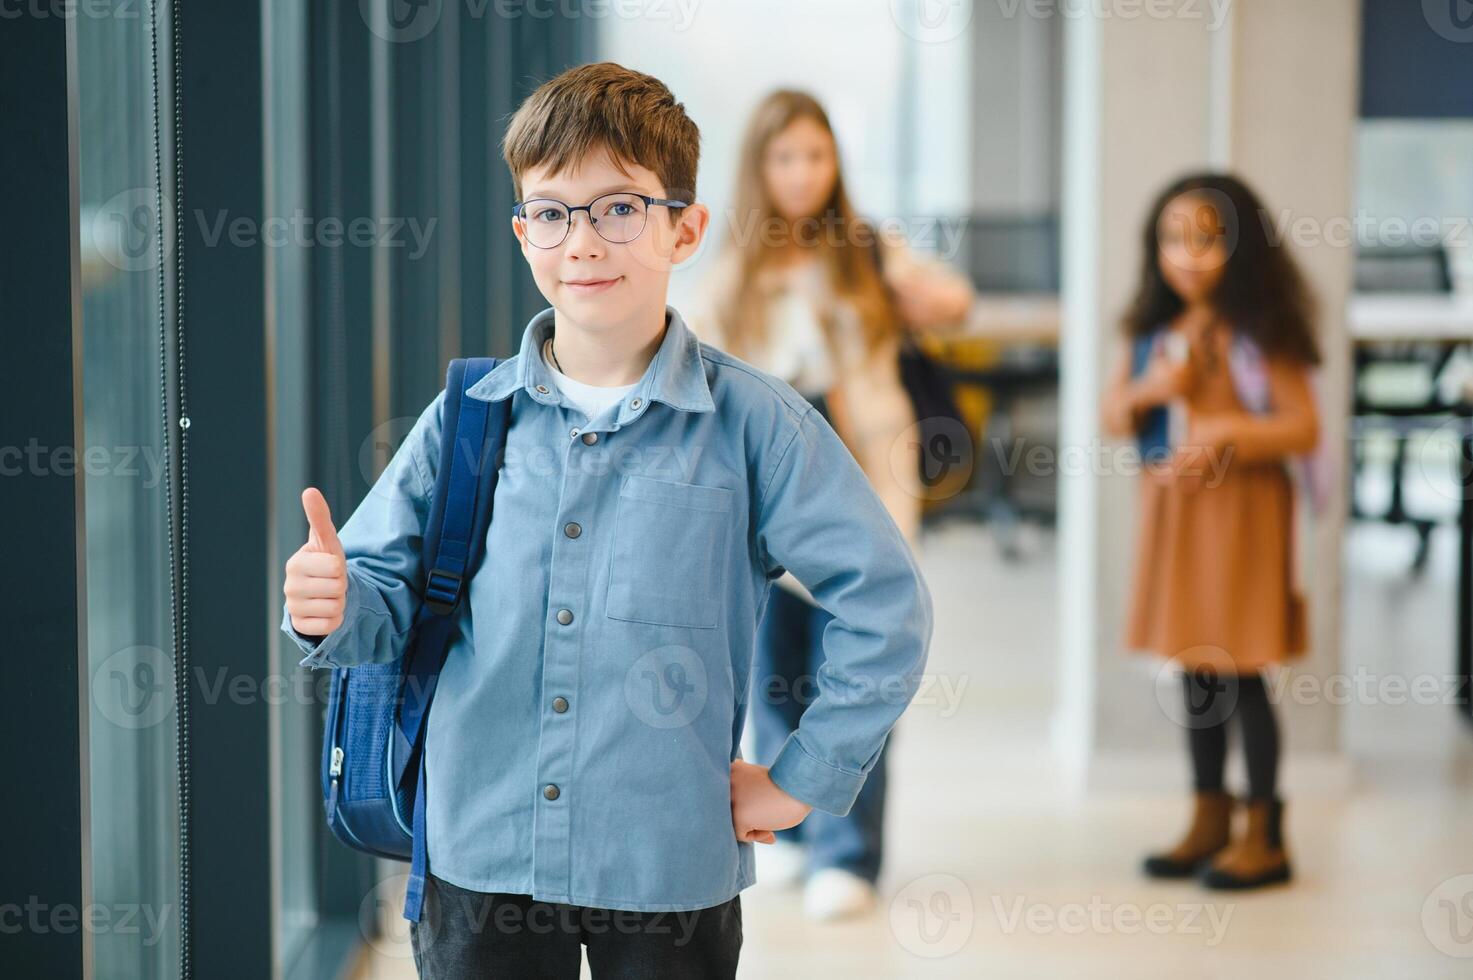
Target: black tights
1211,700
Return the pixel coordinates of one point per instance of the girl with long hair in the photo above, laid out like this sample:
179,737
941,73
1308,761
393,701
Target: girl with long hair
809,291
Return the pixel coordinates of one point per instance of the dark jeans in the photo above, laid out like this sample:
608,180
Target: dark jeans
789,653
468,935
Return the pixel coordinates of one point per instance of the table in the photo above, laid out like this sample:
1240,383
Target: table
1444,319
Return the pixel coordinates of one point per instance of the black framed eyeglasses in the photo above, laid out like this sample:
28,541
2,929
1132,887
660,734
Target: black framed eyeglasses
618,218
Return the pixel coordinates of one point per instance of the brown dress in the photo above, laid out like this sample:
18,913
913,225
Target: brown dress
1214,581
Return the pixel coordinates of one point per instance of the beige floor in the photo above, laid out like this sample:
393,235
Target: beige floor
993,871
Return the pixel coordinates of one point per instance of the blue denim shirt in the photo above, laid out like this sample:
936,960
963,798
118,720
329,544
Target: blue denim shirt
607,642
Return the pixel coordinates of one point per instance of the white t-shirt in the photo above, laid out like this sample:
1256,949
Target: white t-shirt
591,400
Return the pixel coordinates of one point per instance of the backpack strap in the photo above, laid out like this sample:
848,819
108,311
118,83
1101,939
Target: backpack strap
1153,437
463,435
472,439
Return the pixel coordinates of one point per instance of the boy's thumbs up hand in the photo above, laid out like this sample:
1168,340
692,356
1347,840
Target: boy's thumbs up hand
316,585
321,535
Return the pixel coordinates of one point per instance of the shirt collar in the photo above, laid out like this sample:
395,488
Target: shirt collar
676,375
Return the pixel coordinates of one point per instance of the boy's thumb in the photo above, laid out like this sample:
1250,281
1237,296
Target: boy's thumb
321,535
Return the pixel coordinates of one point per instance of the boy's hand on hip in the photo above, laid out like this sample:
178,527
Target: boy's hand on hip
316,585
759,807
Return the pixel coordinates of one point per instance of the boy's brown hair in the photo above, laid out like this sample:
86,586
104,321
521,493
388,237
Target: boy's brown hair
605,106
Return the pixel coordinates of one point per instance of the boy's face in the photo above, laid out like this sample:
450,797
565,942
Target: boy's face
595,283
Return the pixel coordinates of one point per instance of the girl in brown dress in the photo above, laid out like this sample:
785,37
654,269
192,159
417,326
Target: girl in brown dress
1212,377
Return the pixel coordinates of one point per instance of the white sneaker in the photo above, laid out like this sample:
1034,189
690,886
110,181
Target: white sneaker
781,864
833,893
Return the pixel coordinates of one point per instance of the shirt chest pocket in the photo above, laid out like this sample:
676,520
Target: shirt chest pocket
669,555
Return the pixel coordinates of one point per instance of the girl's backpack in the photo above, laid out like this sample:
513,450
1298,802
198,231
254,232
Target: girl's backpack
1315,471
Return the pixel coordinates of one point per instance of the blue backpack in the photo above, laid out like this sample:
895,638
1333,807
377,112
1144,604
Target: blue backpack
373,773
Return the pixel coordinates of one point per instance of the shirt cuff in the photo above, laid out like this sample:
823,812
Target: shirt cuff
820,785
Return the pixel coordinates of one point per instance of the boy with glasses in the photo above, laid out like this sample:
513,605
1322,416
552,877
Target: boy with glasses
586,785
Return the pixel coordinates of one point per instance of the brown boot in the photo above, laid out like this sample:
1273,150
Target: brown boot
1208,834
1258,858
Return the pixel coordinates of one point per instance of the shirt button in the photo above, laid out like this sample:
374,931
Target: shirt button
565,616
572,530
551,791
542,389
636,403
589,438
559,704
575,431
